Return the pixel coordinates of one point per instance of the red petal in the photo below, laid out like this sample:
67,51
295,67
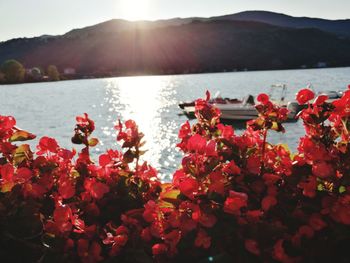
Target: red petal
305,95
263,98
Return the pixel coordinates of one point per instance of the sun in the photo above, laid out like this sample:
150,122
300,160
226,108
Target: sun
134,9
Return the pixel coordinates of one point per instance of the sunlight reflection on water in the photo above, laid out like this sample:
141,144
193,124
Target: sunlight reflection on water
146,100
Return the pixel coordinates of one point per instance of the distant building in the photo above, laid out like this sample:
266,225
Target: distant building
69,71
34,73
321,64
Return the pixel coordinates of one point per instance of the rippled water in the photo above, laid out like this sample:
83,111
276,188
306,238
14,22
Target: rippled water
50,108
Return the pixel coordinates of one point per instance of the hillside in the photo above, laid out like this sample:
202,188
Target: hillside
339,27
192,45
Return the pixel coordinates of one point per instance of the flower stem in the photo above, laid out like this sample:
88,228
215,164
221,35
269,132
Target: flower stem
262,163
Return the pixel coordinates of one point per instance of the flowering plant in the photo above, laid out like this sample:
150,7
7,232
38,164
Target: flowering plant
234,198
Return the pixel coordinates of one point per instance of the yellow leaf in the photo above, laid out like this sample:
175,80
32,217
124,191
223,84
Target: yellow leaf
74,173
170,196
166,186
7,187
21,136
93,142
164,204
22,153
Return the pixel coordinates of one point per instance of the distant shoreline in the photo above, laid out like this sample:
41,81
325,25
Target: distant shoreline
165,74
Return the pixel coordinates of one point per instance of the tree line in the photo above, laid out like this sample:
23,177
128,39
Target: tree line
12,71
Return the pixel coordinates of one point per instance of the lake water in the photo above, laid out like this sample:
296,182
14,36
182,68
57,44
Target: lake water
152,101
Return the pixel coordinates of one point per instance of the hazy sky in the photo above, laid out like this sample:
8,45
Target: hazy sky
24,18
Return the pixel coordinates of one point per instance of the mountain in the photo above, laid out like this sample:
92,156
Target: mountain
339,27
191,45
118,25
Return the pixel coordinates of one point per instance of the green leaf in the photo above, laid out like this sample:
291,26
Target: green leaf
320,187
342,189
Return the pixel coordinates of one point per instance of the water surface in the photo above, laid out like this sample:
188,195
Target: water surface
50,108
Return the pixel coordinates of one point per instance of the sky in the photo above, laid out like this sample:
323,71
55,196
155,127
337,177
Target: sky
24,18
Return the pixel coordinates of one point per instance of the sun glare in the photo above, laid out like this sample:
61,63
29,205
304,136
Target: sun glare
134,9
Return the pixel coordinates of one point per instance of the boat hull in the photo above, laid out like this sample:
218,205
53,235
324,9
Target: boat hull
229,112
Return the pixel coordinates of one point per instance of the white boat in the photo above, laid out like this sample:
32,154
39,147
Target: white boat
245,109
229,112
237,112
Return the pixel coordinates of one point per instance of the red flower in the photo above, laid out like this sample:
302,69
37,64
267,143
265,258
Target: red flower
321,99
342,106
66,189
185,130
253,164
205,112
235,202
309,186
341,210
231,168
268,202
252,246
95,188
263,98
217,183
227,131
202,239
305,95
146,234
23,175
159,249
322,169
306,231
7,173
7,122
131,135
150,212
172,238
34,190
279,252
61,224
89,253
189,187
271,179
196,143
254,215
207,220
316,222
210,149
85,124
104,159
47,144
